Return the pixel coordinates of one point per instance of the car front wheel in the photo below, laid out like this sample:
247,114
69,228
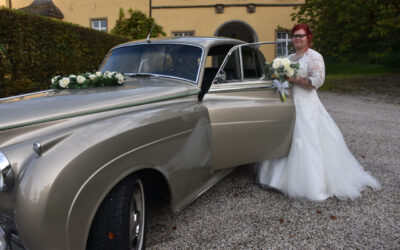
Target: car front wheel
120,220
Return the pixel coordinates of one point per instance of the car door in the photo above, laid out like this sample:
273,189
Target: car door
249,121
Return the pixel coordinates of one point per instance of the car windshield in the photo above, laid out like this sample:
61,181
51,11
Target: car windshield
173,60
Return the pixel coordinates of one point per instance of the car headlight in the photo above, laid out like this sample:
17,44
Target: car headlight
6,173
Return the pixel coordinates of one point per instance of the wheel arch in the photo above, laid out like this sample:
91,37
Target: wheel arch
83,211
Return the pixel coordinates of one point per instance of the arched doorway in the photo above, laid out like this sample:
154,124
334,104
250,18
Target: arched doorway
237,29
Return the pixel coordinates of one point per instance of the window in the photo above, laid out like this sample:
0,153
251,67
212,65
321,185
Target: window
99,24
182,33
282,48
252,63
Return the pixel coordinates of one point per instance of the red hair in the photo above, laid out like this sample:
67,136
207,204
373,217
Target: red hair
306,28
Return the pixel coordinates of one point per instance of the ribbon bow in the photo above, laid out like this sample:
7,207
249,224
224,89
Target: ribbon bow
281,87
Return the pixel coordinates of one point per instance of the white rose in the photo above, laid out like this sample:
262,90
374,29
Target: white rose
72,76
98,74
80,79
92,76
120,78
276,63
54,79
64,82
289,72
286,63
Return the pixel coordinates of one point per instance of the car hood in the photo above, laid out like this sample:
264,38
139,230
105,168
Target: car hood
60,104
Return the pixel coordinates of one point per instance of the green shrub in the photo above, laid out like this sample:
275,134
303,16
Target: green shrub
33,49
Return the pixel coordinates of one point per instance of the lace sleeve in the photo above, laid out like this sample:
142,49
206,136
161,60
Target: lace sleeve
316,69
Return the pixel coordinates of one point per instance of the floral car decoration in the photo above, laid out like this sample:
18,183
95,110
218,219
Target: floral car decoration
87,80
279,69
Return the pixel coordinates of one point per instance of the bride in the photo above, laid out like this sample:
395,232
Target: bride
319,164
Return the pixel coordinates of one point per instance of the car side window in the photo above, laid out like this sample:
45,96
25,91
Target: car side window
214,60
252,63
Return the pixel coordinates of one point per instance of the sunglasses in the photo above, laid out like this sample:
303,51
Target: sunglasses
299,35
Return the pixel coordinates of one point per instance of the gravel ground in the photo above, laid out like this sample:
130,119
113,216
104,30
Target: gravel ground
236,214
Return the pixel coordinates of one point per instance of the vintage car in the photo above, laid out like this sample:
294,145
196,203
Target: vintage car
76,165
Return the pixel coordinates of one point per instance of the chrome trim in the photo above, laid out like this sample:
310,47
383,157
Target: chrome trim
17,98
240,54
3,239
241,64
240,88
6,173
37,148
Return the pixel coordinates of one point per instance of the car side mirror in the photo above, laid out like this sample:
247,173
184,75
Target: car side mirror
220,77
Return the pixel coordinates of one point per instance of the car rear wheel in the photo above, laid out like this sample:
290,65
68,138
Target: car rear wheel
120,220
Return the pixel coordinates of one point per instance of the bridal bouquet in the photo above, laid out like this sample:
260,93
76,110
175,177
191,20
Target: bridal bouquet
88,80
279,69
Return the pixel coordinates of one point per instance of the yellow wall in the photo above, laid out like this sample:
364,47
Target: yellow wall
82,11
204,21
4,3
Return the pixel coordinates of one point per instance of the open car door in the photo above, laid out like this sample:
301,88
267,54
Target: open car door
249,120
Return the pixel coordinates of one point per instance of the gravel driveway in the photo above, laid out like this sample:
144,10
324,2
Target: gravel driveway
236,214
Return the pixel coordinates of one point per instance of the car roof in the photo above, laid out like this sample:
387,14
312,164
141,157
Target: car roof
195,40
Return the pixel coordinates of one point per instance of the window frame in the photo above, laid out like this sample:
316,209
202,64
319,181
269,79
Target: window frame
285,42
99,19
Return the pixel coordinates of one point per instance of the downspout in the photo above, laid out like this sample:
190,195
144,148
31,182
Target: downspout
9,4
149,8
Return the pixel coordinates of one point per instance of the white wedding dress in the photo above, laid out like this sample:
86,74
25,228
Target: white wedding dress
319,164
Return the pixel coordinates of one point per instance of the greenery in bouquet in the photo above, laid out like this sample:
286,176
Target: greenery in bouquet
87,80
280,68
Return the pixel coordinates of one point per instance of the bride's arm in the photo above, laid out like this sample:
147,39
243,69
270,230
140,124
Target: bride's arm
301,81
316,73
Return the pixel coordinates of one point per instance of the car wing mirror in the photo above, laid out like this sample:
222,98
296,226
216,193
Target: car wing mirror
220,77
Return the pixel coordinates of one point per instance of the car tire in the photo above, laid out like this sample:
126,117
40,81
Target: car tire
121,219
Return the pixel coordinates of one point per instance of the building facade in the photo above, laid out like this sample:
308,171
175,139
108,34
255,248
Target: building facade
248,20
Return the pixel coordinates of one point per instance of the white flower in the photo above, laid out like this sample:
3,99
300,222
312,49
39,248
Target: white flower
80,79
286,63
92,76
64,82
120,78
108,74
72,76
289,72
276,63
98,74
54,79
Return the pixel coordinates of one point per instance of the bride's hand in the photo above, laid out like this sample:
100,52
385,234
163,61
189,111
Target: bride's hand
291,79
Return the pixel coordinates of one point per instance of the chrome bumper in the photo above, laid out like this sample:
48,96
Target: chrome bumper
9,239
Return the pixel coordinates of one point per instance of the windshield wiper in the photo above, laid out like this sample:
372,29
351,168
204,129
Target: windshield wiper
139,74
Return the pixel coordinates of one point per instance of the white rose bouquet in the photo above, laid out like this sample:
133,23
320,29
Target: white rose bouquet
279,69
87,80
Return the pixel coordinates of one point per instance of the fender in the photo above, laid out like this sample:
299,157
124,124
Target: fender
80,169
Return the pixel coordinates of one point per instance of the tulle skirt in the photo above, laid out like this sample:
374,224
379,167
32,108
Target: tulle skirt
319,164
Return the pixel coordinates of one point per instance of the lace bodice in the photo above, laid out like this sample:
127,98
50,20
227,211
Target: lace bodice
312,66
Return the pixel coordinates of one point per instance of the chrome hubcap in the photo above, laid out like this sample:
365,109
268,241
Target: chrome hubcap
137,216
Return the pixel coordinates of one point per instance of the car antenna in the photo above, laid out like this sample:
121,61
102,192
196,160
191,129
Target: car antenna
151,30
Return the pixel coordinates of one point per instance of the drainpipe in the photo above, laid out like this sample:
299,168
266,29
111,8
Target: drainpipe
9,4
149,8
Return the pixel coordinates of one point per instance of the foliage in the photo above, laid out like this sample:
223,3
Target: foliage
34,48
344,30
137,26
